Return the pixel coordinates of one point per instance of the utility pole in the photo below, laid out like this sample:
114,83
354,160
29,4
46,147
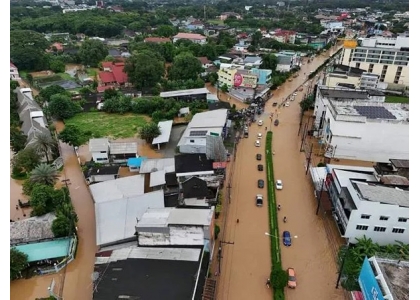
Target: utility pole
303,137
320,196
309,159
219,253
67,183
300,122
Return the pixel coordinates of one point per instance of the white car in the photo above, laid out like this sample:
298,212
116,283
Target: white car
295,94
257,143
260,122
279,184
287,104
259,136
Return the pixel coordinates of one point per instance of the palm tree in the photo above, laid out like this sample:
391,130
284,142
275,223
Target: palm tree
43,144
45,174
364,247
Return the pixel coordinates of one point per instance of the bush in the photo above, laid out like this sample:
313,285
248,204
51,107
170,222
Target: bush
278,277
216,231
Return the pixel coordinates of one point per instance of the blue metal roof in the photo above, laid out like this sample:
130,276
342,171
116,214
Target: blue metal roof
135,161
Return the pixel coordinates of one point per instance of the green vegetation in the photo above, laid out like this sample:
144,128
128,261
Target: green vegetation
149,131
355,255
278,275
216,231
396,99
216,22
18,263
101,124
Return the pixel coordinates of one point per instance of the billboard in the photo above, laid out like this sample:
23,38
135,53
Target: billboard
244,80
368,284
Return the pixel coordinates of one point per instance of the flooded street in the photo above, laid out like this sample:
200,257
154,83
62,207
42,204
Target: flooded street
246,264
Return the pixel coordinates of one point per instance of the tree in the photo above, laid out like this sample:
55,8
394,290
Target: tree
61,227
44,174
92,52
145,69
213,78
185,66
71,135
13,85
44,144
149,131
269,61
62,107
166,31
278,277
17,139
18,263
224,88
51,90
251,48
44,199
57,66
27,49
26,160
256,39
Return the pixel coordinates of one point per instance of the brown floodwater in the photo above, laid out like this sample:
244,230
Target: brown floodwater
246,264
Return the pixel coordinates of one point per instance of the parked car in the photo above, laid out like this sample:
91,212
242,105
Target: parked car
260,183
257,143
260,122
259,200
276,122
259,156
291,274
287,239
260,168
274,104
259,136
279,184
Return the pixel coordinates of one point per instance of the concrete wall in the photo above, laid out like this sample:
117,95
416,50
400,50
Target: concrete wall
100,178
198,146
333,81
100,157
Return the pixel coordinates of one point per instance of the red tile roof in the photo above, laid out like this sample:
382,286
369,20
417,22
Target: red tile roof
119,74
107,77
58,46
107,64
101,89
190,36
157,40
204,60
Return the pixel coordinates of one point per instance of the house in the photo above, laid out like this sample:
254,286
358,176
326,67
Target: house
198,193
187,165
228,14
237,77
264,76
205,62
120,152
252,61
165,133
33,229
157,164
118,203
129,33
287,61
157,40
113,74
351,128
363,206
205,127
99,149
31,115
134,163
193,37
284,36
14,72
115,53
179,272
99,174
56,47
187,95
195,25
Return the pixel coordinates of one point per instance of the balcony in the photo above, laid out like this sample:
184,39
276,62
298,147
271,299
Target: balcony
342,207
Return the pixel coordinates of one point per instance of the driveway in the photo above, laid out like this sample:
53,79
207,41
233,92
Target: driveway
246,264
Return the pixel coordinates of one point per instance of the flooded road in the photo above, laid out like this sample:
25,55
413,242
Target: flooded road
246,264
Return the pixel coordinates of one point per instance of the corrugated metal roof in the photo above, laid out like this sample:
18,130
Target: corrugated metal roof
165,132
97,145
157,178
158,164
123,148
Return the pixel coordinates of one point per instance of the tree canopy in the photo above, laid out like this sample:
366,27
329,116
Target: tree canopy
92,52
27,49
149,131
18,263
186,66
62,107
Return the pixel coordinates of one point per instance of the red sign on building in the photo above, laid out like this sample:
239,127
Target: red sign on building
237,80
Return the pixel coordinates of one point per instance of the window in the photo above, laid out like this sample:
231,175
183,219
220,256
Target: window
398,230
402,219
383,218
379,229
365,216
358,65
192,141
103,151
362,227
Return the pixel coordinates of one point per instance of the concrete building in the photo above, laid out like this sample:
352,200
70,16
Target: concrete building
362,129
264,76
286,61
99,149
14,72
193,37
177,226
235,77
210,123
99,174
386,57
364,206
120,152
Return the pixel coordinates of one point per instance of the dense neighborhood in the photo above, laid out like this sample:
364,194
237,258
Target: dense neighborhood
133,131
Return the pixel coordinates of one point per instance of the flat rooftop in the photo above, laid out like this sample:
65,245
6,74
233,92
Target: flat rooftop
385,111
147,273
338,94
121,188
123,148
162,217
383,194
397,278
184,93
165,132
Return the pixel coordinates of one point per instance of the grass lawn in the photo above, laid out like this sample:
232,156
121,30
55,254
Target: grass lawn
396,99
101,124
216,22
65,76
92,71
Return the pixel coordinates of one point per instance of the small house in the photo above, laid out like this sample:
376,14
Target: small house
134,164
99,174
121,152
99,149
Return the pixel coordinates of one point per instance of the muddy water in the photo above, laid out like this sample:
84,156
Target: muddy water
246,264
17,213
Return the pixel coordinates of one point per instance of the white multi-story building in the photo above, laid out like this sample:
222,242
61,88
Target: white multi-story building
369,81
360,127
363,206
386,57
14,72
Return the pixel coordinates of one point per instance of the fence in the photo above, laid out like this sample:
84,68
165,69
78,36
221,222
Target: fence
68,259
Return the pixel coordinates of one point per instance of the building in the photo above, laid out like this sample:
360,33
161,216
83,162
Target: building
99,174
187,95
286,61
234,77
195,25
284,36
252,61
225,15
113,74
188,165
118,204
384,278
14,72
386,57
121,152
31,115
363,205
353,124
205,62
165,133
177,227
149,272
157,40
203,125
199,192
193,37
99,149
264,76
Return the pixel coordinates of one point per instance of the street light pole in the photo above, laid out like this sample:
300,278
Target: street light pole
219,254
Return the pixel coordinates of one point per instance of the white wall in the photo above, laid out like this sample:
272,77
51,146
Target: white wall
100,157
376,141
14,74
376,210
198,146
100,178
